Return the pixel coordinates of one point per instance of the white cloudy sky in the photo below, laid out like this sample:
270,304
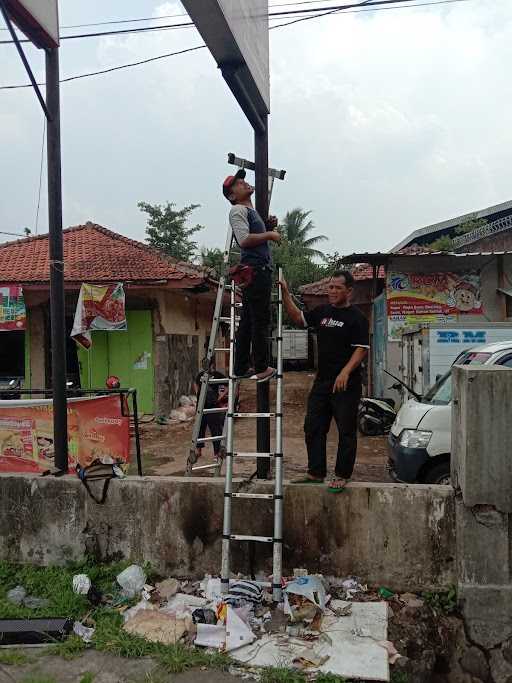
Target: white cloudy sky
384,121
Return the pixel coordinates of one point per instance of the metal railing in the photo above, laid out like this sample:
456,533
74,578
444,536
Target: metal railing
484,231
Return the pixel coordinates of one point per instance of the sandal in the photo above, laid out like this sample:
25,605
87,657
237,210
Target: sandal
307,480
334,486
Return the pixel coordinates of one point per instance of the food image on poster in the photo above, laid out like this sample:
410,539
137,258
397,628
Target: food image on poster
13,315
97,430
418,298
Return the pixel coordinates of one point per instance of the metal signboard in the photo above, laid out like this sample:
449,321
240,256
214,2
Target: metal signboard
38,19
236,33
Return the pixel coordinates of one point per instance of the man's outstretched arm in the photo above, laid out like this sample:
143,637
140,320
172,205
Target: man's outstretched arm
293,311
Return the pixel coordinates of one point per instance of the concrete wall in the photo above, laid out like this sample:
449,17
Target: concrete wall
482,477
394,535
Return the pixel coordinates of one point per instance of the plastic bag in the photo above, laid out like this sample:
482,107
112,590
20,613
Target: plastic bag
309,587
132,580
17,595
81,584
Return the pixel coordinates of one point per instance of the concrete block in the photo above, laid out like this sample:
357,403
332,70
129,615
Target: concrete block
479,529
388,534
487,612
481,435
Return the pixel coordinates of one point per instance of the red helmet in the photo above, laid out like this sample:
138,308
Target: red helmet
113,382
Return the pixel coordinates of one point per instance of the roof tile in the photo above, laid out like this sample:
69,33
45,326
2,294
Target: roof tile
92,253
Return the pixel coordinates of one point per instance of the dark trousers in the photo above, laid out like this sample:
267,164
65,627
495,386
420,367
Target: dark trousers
323,405
254,324
215,423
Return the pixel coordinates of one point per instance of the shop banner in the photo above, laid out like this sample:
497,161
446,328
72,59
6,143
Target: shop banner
97,430
418,298
13,315
100,307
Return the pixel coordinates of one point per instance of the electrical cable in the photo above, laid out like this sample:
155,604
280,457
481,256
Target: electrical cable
200,47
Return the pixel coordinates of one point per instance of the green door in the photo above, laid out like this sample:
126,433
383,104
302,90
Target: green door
127,355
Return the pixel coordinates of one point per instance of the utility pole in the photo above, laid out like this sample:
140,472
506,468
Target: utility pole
57,297
262,206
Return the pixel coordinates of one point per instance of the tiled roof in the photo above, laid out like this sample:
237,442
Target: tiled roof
94,254
362,272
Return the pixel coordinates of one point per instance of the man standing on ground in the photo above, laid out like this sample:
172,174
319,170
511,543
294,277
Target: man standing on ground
253,237
342,333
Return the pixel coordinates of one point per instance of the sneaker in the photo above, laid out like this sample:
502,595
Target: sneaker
264,376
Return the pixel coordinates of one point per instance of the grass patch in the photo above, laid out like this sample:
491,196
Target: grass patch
442,602
330,678
399,677
88,677
13,658
35,678
68,649
281,674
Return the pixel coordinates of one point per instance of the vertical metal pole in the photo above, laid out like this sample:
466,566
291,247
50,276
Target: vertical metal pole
262,204
228,485
137,432
57,310
277,565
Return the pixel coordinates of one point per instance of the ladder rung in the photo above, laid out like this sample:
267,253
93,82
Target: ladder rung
210,438
221,349
259,539
225,380
253,455
254,414
266,496
204,467
226,319
209,411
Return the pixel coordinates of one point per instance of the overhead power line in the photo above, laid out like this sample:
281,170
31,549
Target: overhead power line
313,13
367,8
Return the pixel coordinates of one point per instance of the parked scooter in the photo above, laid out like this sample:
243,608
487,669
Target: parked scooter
375,416
11,390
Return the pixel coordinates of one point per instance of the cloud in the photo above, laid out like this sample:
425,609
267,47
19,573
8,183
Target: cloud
384,121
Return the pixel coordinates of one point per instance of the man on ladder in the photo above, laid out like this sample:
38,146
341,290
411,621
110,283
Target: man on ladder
254,274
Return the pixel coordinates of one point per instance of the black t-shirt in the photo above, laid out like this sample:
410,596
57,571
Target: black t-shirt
212,393
339,332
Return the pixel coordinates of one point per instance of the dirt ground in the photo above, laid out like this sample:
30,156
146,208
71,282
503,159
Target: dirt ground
165,448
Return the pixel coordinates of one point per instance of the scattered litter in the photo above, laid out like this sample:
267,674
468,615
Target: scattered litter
17,595
309,587
35,603
238,633
83,632
132,581
352,587
167,589
204,616
343,611
412,600
183,603
244,592
316,654
393,653
297,573
158,627
385,593
142,605
81,584
211,636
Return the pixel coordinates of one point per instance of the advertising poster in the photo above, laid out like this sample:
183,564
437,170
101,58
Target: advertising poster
419,298
13,315
100,307
97,430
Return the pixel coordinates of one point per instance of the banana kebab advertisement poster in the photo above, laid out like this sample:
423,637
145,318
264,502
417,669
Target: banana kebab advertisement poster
97,430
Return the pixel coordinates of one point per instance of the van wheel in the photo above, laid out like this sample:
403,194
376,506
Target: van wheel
439,474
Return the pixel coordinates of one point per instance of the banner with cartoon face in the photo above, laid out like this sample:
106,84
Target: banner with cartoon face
12,308
419,298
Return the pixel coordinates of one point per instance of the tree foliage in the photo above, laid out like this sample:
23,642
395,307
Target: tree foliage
168,231
296,229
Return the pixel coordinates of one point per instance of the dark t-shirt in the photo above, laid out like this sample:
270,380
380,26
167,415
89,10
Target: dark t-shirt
339,332
212,393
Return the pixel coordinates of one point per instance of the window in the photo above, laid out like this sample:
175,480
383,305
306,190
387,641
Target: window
505,360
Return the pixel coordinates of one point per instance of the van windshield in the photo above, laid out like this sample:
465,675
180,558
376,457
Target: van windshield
440,393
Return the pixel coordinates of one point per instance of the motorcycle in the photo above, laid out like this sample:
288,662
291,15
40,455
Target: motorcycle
375,416
11,392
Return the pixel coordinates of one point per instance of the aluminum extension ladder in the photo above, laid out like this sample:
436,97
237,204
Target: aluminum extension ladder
228,452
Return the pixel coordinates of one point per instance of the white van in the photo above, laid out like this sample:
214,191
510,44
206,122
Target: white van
420,438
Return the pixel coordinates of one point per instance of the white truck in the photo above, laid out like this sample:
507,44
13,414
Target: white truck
428,351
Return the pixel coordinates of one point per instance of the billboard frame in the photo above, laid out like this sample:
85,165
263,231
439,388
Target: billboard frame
30,25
